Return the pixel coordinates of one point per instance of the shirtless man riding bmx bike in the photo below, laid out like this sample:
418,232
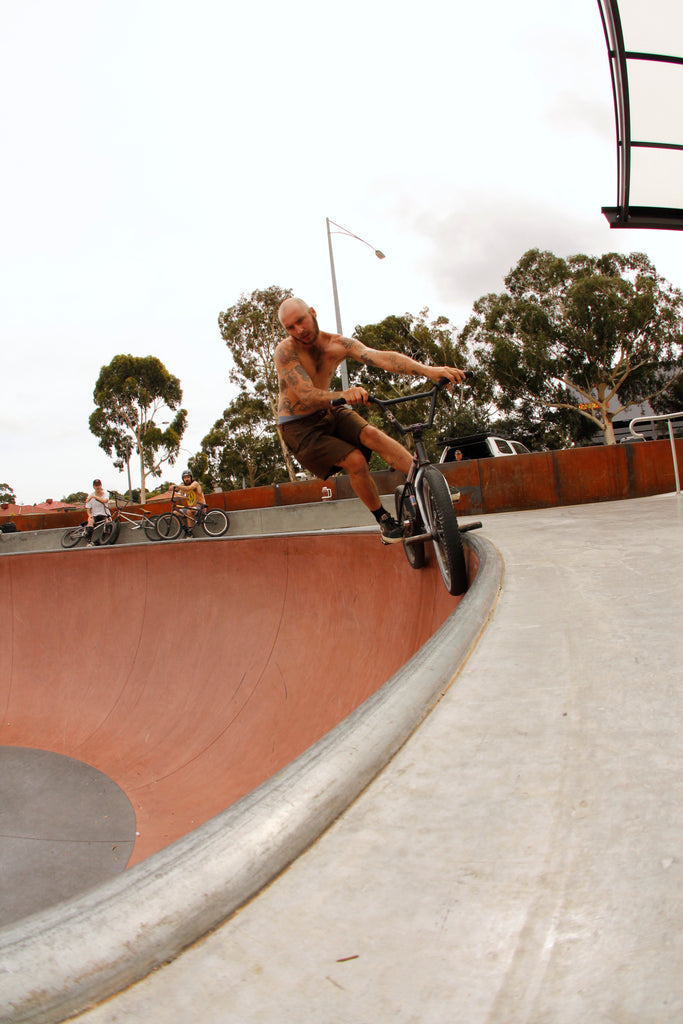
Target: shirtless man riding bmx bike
326,439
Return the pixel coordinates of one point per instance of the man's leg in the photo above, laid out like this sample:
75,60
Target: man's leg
324,453
393,453
89,531
360,479
366,489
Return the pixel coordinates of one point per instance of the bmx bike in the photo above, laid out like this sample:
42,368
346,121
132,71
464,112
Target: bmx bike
136,520
103,533
424,504
213,521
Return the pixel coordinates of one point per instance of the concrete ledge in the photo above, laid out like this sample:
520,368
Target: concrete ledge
314,517
57,963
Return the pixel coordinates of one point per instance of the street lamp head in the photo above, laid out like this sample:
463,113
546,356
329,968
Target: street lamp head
379,255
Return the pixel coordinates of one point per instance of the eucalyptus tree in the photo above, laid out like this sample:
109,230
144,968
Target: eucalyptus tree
242,447
131,396
589,335
435,342
252,331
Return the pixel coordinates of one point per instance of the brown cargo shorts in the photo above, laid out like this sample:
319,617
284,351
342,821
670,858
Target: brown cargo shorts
320,441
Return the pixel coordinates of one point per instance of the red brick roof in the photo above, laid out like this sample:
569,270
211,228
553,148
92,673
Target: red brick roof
49,505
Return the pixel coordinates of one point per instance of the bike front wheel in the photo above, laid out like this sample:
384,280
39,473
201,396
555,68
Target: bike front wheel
107,533
407,513
215,523
70,538
443,524
169,527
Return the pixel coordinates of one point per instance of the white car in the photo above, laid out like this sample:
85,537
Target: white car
480,446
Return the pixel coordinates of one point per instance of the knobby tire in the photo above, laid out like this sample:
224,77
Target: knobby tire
446,534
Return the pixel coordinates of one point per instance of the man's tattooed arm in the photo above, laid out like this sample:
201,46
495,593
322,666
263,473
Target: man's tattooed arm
298,394
394,362
397,362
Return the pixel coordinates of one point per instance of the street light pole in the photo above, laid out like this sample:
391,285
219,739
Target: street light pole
380,256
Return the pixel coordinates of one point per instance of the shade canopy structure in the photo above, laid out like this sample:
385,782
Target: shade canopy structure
645,49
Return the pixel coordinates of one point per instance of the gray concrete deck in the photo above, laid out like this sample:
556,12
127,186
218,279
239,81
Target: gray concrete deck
520,859
313,517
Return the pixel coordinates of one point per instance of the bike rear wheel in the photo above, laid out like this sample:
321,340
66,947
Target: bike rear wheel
443,524
406,512
71,537
150,528
169,526
215,523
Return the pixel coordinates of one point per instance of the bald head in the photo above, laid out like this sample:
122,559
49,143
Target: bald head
292,308
299,320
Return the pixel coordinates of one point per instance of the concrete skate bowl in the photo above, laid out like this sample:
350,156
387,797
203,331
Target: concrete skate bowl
240,694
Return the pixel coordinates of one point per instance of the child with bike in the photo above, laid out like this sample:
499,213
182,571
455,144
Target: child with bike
325,439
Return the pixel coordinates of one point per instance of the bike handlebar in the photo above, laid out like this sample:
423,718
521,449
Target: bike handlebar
440,384
383,403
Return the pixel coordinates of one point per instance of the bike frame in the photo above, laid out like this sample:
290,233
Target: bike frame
420,456
425,500
136,520
181,511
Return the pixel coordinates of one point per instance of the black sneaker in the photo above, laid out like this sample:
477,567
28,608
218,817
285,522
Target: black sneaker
391,532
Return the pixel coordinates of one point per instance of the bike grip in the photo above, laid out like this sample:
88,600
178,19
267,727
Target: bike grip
469,374
338,401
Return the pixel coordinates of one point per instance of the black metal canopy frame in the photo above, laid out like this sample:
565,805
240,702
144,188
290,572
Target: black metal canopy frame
623,215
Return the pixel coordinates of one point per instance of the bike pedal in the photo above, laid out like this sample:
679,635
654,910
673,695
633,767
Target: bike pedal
470,526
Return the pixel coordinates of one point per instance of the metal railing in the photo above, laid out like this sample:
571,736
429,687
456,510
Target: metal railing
654,419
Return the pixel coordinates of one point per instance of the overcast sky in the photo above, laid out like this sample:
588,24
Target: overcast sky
159,159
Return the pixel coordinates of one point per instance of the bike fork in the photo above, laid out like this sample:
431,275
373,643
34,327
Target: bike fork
417,506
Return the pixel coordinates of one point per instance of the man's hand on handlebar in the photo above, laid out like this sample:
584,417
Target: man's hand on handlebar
353,396
450,373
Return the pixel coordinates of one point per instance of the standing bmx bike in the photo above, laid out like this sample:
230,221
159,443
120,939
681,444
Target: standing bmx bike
424,504
121,513
213,521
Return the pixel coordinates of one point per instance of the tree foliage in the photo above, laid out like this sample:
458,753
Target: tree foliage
581,337
131,394
671,400
252,331
434,342
242,448
7,495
